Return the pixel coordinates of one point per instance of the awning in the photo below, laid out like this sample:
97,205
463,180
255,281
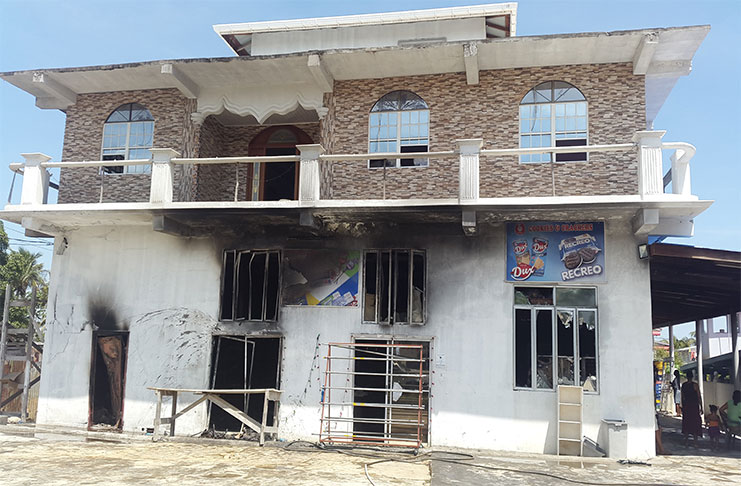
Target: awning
689,284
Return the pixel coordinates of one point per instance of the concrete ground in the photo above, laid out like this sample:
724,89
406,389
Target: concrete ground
46,456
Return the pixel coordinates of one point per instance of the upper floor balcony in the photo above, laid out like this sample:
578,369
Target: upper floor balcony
466,186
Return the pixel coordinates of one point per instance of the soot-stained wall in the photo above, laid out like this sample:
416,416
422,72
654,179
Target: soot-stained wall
166,292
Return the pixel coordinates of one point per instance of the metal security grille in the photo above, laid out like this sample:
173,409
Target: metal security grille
376,393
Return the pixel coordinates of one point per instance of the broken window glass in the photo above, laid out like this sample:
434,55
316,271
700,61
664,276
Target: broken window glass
565,346
555,345
394,289
587,349
523,353
544,347
250,285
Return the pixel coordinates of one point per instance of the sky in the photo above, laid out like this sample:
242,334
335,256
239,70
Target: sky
703,109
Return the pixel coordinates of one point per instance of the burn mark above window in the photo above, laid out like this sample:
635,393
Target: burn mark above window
250,285
394,289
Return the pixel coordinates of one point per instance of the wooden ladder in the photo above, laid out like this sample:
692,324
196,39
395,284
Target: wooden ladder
16,344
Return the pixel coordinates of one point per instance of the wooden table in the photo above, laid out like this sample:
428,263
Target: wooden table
270,394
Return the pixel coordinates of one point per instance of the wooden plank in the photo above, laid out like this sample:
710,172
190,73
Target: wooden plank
4,331
235,412
191,406
29,356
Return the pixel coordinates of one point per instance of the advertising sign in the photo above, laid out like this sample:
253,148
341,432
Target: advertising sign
555,252
321,277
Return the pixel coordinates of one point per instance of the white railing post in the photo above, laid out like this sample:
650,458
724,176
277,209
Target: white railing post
650,174
468,175
162,175
35,179
308,181
681,173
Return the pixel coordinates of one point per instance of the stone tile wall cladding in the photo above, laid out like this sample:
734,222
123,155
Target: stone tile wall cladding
83,138
490,110
218,182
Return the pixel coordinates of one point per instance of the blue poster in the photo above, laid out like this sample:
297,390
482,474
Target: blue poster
555,252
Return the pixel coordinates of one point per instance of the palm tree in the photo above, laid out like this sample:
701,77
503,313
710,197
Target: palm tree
24,271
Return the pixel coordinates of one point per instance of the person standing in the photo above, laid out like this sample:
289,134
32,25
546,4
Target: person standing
731,412
676,388
691,409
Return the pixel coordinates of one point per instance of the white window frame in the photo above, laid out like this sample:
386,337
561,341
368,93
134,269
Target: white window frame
128,169
554,340
398,140
553,132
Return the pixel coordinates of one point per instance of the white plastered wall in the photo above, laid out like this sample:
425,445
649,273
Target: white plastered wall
167,290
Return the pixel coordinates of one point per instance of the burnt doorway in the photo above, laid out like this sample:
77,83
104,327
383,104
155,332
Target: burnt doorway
389,379
273,181
243,362
107,379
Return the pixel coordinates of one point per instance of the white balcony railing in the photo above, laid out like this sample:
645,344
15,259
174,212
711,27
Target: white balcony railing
648,144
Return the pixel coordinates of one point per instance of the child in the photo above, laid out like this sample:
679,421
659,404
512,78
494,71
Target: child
713,421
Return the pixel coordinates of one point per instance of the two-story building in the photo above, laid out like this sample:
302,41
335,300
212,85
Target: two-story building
424,179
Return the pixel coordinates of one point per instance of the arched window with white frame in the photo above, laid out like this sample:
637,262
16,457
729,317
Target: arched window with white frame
127,135
553,114
399,122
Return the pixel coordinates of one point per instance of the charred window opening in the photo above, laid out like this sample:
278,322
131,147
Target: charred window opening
107,379
250,285
395,284
241,363
555,337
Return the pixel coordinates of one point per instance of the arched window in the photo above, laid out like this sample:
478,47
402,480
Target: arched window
553,114
127,135
399,122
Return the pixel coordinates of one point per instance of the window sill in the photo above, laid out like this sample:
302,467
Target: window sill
550,390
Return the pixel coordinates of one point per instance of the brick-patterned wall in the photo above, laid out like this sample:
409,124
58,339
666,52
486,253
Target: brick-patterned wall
326,140
83,138
217,182
490,110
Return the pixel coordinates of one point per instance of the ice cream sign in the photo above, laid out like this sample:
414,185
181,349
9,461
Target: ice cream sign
555,252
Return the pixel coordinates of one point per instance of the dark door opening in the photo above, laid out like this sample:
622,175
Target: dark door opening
243,362
107,379
280,179
395,373
273,181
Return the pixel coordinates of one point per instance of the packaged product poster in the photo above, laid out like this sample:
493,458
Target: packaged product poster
556,252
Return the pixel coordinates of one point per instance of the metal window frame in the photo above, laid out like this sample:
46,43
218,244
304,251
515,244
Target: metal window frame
533,349
392,283
235,285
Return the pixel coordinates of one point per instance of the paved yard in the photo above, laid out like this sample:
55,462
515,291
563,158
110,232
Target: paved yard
39,457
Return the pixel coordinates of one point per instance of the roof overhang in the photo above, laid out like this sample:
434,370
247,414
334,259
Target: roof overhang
371,30
689,284
662,55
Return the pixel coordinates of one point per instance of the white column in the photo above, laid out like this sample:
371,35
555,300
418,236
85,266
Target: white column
650,173
35,179
162,175
671,350
699,336
733,324
681,183
468,182
308,177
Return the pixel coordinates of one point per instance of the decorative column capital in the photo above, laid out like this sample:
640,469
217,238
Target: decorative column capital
469,146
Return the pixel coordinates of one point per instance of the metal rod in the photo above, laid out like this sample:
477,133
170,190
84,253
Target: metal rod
402,390
355,358
373,405
368,373
369,420
29,350
4,334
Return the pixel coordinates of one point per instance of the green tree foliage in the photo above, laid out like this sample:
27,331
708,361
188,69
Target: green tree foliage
22,270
